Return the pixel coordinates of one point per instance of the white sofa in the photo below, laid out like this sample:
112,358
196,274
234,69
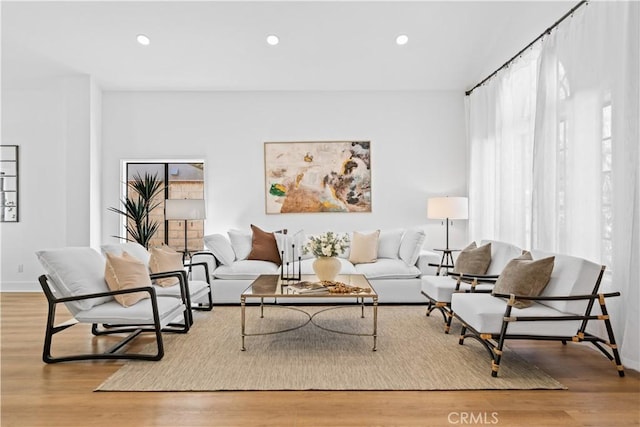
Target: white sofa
396,275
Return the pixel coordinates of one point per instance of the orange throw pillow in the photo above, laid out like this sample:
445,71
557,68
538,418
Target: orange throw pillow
126,272
164,259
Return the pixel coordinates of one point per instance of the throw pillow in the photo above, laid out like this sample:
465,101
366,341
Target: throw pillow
126,272
389,244
364,247
411,245
264,246
525,277
164,259
221,248
474,260
241,243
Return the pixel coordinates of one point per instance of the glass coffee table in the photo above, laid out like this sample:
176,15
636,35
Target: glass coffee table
271,287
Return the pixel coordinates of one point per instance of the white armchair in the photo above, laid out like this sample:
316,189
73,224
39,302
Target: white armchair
75,277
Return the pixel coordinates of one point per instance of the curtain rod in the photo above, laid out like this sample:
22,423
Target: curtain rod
547,31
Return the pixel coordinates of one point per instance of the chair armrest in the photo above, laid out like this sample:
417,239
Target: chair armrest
427,261
182,279
480,278
208,258
559,297
205,267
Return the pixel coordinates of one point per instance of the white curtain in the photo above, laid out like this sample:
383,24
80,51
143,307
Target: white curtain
501,121
563,174
585,166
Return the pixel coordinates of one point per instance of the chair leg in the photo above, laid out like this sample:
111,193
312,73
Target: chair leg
612,340
463,331
447,326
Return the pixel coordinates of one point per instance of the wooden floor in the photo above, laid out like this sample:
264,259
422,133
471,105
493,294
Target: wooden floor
35,394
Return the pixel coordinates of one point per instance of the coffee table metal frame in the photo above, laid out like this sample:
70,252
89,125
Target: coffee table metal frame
272,286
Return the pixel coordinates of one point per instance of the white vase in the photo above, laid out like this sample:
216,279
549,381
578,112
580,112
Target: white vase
326,268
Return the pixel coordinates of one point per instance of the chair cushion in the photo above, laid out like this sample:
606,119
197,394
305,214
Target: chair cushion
389,243
133,248
164,259
241,243
473,259
75,271
263,246
221,248
411,245
126,272
525,277
440,288
386,268
246,269
571,276
364,247
140,313
197,288
501,254
484,313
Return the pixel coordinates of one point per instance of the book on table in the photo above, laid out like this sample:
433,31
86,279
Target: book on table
308,287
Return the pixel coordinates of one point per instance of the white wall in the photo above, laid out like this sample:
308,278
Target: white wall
50,123
417,150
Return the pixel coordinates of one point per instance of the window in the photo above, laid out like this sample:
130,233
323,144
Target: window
180,181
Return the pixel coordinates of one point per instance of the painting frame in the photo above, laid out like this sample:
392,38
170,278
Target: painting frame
317,176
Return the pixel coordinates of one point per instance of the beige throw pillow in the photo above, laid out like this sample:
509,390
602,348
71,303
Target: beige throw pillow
126,272
164,259
264,246
364,247
525,277
474,260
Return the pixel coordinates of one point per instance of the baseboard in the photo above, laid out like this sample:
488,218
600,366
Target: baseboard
20,287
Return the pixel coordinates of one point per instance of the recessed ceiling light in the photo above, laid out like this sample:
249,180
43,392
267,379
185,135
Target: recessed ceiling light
272,39
402,39
143,40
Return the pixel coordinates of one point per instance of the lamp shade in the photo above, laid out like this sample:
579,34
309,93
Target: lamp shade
185,209
448,207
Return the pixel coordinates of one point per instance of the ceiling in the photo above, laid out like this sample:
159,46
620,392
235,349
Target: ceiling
215,45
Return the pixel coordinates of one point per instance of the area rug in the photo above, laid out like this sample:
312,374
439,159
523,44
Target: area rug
412,354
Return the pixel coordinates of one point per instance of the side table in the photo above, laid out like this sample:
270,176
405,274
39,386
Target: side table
446,261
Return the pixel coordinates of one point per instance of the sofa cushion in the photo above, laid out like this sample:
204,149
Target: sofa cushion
525,277
245,269
364,247
411,245
76,271
501,254
140,313
241,243
385,268
290,246
263,246
126,272
164,259
389,243
474,260
221,248
484,313
570,276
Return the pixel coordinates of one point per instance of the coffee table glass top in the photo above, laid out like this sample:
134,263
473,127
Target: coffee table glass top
270,285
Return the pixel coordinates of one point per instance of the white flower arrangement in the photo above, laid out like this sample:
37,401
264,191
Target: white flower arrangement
328,244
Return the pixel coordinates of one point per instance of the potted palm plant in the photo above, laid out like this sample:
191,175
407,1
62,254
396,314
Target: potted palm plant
138,206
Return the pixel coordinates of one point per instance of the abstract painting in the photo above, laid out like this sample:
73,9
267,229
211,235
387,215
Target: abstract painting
305,177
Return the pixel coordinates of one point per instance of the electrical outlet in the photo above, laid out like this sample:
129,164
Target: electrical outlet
20,268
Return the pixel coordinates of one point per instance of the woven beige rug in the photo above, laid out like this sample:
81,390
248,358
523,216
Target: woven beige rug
413,354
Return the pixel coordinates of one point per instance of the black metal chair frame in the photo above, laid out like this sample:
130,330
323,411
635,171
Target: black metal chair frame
494,343
445,307
132,330
209,305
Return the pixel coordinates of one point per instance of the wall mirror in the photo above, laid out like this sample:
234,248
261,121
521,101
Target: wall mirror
9,204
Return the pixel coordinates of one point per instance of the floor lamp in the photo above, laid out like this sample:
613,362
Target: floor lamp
447,208
184,210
